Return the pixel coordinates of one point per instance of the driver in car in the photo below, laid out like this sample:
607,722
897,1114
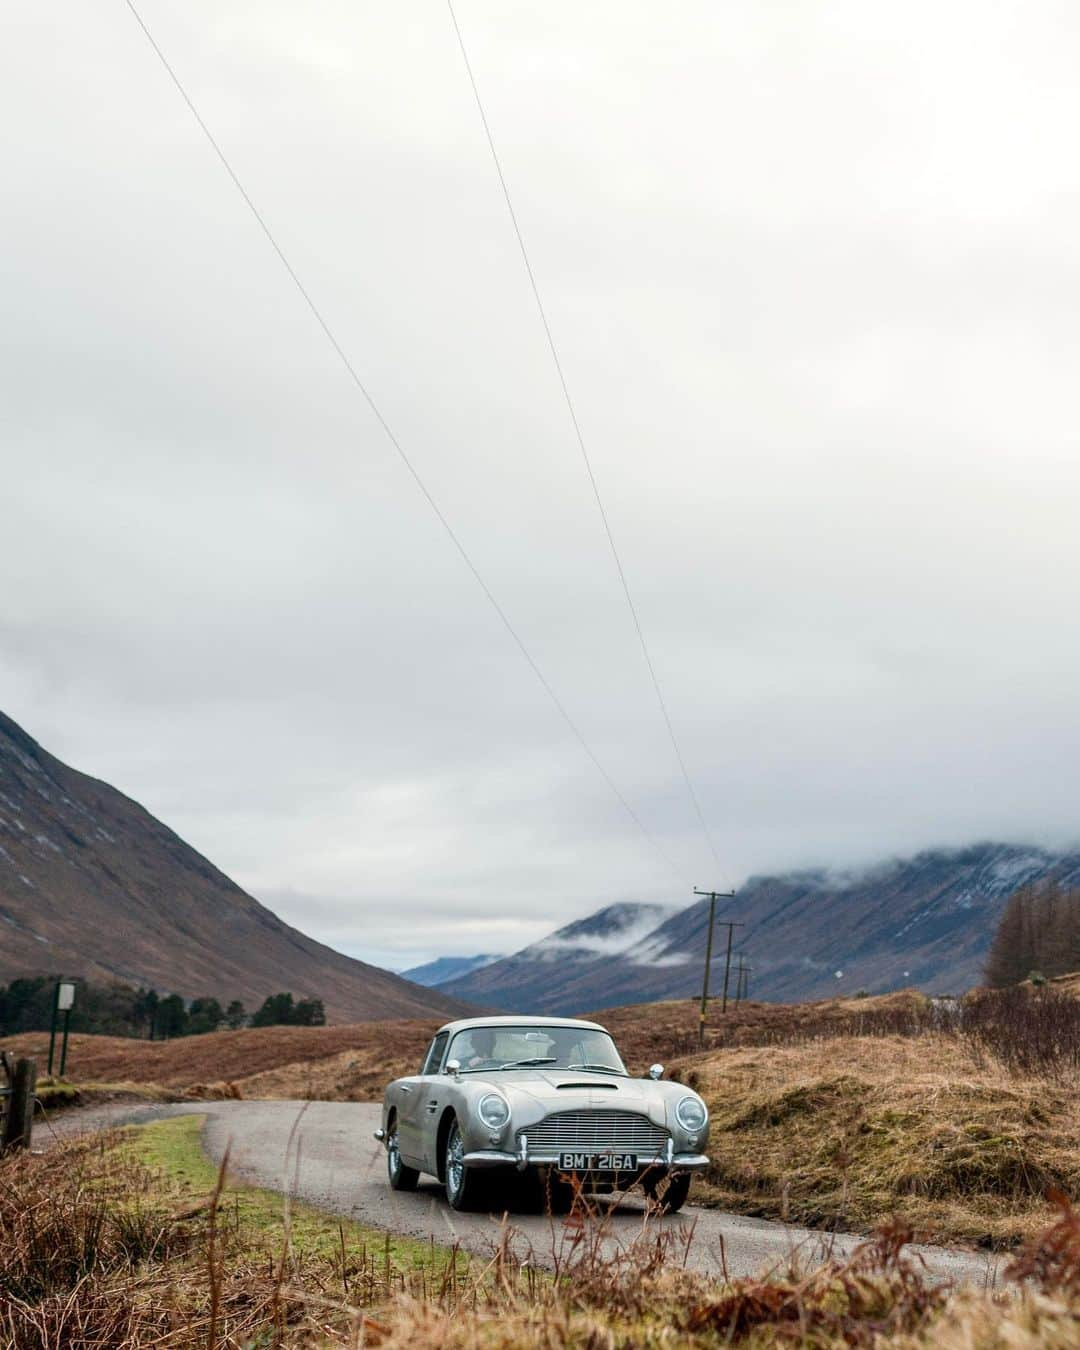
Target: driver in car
482,1042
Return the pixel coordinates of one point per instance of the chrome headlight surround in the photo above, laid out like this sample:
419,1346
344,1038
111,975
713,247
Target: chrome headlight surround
691,1114
494,1110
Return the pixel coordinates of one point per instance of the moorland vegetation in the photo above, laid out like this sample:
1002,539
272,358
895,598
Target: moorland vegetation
133,1240
957,1116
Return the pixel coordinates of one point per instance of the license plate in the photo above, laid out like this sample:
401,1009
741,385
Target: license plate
597,1162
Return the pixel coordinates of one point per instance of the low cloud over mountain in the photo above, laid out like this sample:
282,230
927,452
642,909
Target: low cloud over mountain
925,921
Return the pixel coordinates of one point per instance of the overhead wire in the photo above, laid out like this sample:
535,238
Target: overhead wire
579,436
414,473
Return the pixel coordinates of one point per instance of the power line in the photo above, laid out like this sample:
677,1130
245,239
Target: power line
392,438
581,441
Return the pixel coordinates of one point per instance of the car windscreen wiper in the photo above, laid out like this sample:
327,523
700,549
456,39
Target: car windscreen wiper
598,1068
527,1063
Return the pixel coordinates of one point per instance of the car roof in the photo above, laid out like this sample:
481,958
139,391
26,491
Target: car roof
465,1023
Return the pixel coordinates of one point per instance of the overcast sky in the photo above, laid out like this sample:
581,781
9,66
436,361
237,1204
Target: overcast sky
814,274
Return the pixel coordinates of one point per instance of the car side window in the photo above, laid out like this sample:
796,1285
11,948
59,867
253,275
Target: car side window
435,1053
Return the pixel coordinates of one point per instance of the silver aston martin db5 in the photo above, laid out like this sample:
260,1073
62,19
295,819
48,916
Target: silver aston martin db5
546,1101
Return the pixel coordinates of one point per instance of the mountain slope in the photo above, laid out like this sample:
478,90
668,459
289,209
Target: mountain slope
925,921
560,970
91,884
445,968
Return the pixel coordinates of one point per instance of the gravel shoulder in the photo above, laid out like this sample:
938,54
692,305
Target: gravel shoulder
324,1153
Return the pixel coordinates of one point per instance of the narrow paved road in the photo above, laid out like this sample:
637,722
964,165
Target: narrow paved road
324,1153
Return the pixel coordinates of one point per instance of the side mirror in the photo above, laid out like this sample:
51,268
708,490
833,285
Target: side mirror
453,1066
656,1071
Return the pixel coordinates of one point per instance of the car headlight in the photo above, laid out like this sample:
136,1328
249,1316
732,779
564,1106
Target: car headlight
493,1111
691,1114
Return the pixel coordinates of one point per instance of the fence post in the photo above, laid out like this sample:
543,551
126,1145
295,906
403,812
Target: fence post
19,1117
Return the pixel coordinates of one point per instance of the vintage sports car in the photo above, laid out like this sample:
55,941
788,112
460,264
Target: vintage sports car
546,1100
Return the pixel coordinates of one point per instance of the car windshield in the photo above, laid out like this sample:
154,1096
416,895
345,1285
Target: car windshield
527,1047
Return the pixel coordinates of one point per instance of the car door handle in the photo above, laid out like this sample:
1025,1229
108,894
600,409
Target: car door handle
405,1088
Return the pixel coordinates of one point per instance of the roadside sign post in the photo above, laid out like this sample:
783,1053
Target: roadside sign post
52,1029
63,1002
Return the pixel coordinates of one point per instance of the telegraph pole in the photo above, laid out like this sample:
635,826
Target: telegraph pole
742,982
712,897
727,960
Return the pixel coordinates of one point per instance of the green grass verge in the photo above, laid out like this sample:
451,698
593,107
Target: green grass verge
172,1150
56,1093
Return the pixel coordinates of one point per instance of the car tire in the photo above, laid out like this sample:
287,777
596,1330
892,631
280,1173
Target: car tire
402,1177
527,1191
466,1188
558,1193
667,1192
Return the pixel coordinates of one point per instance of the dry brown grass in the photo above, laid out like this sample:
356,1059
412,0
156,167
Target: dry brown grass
1069,984
94,1252
841,1132
354,1063
228,1056
359,1074
648,1032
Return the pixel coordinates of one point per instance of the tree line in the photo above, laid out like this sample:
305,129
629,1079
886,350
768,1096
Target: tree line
26,1004
1037,937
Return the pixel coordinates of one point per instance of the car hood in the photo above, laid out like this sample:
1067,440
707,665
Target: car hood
550,1090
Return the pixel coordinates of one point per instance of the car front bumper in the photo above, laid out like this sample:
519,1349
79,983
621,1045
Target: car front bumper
526,1157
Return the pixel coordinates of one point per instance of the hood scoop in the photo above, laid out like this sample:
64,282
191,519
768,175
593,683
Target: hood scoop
577,1087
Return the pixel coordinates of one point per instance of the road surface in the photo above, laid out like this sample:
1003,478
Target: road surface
324,1153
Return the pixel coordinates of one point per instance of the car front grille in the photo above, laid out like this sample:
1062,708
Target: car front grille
595,1131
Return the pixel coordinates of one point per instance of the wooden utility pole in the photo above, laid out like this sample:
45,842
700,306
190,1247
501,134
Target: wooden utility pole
742,982
712,897
727,960
19,1116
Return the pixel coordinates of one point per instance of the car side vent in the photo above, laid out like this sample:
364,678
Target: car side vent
565,1087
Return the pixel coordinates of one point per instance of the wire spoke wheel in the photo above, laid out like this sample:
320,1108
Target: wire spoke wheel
465,1187
455,1165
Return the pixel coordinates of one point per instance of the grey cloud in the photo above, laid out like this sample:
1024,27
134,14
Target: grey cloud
814,281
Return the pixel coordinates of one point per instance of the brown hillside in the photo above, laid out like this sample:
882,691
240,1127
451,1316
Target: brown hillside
91,884
646,1032
227,1056
354,1062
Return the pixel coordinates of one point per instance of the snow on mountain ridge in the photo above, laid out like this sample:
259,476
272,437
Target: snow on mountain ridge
610,932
